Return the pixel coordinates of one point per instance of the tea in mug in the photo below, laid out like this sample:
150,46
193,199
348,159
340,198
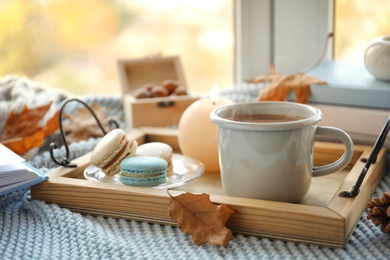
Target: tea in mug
264,118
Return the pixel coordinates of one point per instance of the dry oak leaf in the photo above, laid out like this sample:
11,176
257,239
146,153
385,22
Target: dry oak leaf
23,131
82,125
280,86
203,220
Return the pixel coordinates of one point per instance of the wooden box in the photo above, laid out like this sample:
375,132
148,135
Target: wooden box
321,218
163,111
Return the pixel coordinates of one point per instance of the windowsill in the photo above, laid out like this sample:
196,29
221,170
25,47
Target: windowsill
362,124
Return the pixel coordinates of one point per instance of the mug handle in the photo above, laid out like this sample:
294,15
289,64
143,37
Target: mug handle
343,160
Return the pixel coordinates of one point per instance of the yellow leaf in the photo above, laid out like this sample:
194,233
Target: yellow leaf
280,86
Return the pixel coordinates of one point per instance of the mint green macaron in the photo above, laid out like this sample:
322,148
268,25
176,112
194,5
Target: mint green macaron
143,171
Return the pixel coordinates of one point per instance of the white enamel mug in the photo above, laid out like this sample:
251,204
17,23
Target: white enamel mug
272,160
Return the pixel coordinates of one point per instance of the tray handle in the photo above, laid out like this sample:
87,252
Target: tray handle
65,161
371,159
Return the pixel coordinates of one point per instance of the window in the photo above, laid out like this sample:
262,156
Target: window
75,44
293,33
290,34
71,45
356,24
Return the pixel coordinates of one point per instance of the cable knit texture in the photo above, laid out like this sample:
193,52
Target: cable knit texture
31,229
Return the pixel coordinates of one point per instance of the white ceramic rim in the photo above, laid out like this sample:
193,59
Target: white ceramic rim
217,116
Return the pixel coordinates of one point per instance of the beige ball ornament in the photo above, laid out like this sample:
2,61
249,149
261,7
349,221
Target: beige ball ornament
198,135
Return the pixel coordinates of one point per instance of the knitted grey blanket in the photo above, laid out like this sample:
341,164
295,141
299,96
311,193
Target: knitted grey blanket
31,229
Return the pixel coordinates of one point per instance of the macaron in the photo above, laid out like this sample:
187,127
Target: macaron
157,149
143,171
114,147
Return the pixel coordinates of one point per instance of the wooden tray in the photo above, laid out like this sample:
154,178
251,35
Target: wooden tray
321,218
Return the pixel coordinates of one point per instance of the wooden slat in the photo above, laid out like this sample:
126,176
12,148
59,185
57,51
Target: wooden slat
160,112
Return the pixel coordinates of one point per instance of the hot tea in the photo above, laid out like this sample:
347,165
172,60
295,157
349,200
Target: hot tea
264,118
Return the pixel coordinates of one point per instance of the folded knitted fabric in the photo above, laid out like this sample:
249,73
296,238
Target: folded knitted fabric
16,92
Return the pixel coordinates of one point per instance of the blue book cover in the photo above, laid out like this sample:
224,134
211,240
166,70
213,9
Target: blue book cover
349,85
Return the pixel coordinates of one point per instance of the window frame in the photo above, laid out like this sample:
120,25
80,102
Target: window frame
265,33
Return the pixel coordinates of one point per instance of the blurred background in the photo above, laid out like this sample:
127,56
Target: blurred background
74,45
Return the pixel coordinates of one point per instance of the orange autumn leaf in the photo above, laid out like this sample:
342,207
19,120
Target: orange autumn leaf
198,216
280,86
22,131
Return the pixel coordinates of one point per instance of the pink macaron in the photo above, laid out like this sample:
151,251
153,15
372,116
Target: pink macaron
157,149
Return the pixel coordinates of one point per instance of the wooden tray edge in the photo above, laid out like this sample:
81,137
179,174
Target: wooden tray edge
341,219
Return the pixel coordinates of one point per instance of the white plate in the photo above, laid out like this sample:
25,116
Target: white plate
185,169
